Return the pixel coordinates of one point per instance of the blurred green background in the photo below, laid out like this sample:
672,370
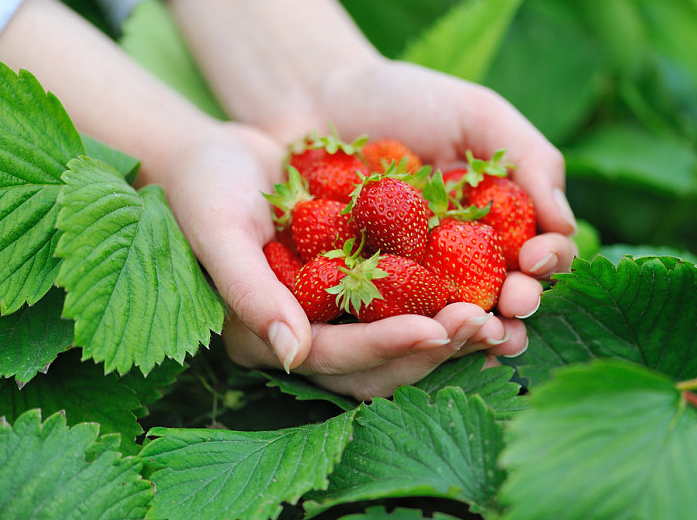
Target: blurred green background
612,83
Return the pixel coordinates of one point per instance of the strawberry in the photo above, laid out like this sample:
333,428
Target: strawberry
380,153
512,214
311,285
468,256
389,285
328,164
393,216
284,262
334,176
319,226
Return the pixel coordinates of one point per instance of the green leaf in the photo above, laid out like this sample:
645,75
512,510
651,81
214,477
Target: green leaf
228,474
125,164
610,440
406,19
642,310
31,338
412,447
84,394
549,68
37,139
615,252
303,390
628,155
53,472
465,40
493,385
134,286
152,38
587,240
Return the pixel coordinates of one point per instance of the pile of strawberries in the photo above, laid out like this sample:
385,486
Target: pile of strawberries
366,229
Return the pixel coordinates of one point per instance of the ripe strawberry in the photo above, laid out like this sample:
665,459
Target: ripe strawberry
284,262
512,214
311,284
389,285
468,256
328,164
319,226
393,216
334,176
380,153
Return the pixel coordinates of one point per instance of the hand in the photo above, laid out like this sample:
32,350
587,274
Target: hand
440,117
214,187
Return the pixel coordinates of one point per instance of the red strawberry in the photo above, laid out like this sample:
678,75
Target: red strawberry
319,226
393,216
334,176
304,160
389,285
311,284
468,256
512,214
378,155
284,262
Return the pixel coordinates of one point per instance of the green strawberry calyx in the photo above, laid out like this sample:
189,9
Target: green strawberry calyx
436,194
286,196
497,166
356,288
331,142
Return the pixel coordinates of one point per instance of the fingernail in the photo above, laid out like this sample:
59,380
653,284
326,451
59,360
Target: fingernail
494,342
432,343
523,316
521,351
564,209
546,265
468,328
283,343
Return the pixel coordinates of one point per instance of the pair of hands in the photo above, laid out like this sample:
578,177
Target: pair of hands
216,195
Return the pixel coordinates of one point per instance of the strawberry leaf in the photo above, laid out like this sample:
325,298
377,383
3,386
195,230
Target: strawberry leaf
642,310
37,139
303,390
606,440
48,470
228,474
32,337
413,447
125,164
493,384
84,394
134,286
400,513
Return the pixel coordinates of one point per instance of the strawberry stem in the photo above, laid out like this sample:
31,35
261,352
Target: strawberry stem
685,386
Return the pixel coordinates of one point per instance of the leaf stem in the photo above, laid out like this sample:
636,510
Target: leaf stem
684,386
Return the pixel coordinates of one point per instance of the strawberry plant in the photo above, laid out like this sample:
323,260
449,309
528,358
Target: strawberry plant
110,408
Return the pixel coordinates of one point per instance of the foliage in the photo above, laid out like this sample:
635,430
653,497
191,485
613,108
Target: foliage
103,306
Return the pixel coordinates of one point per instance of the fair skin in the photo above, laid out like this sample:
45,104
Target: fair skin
255,56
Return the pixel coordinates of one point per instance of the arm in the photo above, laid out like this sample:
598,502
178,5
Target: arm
213,174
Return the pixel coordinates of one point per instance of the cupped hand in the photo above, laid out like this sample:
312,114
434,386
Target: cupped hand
441,117
215,189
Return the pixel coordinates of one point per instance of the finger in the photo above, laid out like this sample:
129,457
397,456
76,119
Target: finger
547,253
539,165
516,340
352,347
520,295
